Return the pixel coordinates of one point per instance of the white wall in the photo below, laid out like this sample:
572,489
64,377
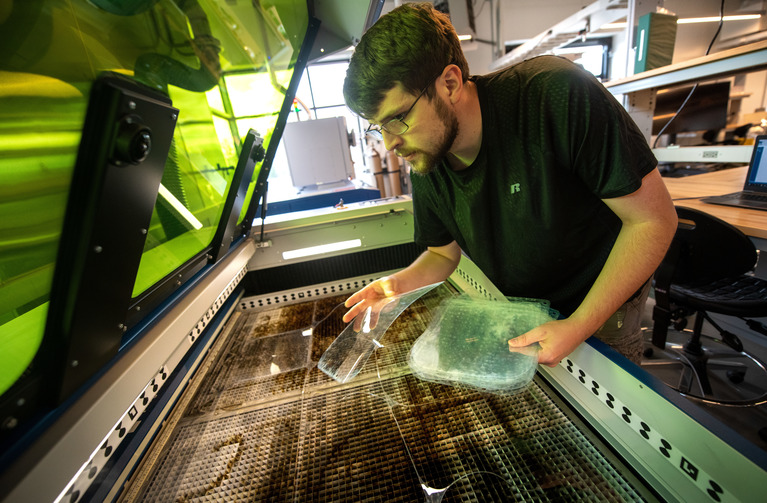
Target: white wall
519,20
693,39
523,19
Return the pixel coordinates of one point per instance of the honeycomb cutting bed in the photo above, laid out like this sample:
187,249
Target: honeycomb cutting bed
265,425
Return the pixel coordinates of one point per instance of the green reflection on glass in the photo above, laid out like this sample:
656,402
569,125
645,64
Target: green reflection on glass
194,185
257,65
54,50
40,122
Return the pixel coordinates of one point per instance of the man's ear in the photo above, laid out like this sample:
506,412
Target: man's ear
453,82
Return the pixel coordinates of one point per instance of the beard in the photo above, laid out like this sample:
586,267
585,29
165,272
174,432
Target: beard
425,162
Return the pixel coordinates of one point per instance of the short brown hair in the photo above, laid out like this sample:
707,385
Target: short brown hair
411,45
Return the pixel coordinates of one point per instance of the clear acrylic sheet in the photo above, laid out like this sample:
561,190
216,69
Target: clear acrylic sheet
345,357
467,343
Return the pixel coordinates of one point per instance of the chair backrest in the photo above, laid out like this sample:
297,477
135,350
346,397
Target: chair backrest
709,248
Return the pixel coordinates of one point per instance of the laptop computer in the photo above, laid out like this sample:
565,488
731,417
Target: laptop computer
754,193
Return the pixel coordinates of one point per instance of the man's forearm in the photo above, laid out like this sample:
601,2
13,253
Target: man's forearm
649,223
637,252
432,266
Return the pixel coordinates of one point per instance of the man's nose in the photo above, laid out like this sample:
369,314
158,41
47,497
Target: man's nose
391,141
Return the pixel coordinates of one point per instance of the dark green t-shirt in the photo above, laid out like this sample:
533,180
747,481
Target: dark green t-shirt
528,211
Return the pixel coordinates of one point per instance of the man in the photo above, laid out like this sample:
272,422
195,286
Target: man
535,172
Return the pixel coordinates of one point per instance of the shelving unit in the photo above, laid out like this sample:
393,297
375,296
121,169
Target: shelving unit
640,89
743,59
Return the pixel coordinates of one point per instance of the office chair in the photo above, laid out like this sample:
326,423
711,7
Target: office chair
707,269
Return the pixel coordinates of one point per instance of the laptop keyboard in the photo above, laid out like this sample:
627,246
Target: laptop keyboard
754,197
739,199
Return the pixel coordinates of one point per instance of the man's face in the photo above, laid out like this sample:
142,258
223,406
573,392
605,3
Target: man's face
433,127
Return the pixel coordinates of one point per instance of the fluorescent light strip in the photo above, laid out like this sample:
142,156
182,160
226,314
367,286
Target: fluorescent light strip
463,38
715,19
316,250
180,208
689,20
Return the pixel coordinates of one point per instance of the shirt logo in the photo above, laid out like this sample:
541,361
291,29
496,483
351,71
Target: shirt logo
514,188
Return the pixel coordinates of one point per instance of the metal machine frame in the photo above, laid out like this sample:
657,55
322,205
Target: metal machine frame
680,451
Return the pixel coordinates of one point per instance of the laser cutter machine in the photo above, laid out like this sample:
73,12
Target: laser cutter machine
157,345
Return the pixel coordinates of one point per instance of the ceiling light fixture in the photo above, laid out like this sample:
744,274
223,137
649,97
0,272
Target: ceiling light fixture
689,20
715,19
326,248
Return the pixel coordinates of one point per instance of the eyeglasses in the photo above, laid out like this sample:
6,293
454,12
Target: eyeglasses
397,124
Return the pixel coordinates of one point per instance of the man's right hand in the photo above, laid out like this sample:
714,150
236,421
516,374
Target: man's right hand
432,266
370,296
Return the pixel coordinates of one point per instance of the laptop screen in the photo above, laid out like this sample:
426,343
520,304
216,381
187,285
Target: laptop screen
757,169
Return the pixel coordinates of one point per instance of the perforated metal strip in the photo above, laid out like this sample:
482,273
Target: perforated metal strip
677,459
88,472
304,294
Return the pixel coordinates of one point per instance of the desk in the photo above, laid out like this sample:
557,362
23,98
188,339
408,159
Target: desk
687,190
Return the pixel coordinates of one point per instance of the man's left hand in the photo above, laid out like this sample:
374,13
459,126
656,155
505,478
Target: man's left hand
557,339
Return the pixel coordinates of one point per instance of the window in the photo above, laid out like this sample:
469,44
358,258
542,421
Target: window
319,96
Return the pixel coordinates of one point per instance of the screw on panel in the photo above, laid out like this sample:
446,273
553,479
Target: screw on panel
98,249
132,105
10,423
